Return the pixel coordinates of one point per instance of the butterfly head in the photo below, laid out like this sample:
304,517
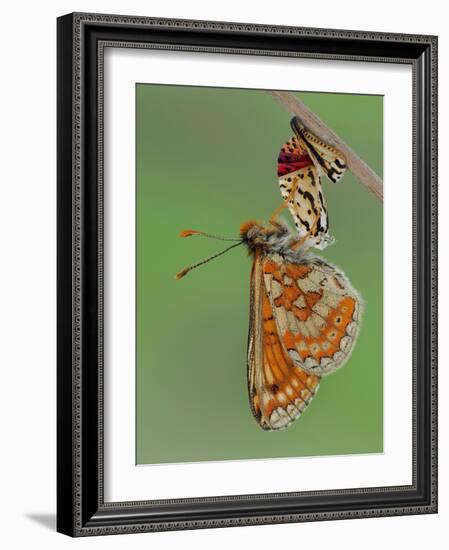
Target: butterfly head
250,230
256,236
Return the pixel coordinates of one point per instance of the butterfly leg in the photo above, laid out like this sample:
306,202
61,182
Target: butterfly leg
279,209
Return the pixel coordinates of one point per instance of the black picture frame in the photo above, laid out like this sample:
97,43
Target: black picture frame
81,509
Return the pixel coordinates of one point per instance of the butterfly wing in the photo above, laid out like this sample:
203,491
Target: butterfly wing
278,391
316,310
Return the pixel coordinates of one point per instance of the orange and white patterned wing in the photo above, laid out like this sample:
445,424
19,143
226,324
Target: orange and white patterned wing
316,310
279,392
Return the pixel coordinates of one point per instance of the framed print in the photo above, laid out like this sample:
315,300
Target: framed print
246,274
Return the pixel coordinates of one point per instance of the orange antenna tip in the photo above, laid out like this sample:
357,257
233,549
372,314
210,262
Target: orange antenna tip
188,233
181,273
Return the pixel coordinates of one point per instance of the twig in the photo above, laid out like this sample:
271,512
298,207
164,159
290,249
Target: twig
367,177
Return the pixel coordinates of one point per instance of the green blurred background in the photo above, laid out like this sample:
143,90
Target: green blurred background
206,159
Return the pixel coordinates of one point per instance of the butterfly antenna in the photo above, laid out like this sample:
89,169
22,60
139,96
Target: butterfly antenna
190,232
184,271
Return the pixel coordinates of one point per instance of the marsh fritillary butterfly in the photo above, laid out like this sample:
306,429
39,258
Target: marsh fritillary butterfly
304,312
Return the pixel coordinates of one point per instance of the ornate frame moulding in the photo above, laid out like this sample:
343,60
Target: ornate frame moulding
82,38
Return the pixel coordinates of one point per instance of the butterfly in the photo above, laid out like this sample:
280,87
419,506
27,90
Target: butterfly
304,314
